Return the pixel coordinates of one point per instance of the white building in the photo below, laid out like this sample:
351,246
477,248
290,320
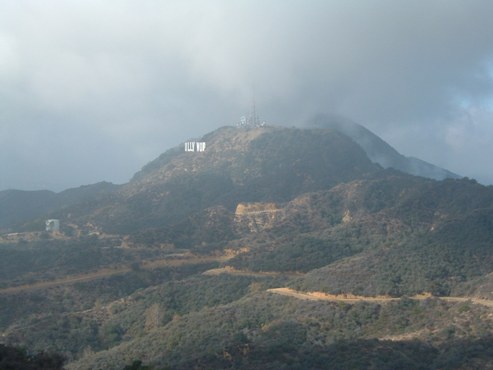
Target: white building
52,225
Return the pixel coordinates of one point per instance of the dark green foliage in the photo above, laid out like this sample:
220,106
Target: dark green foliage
287,163
436,262
137,365
50,320
302,253
47,259
206,230
189,194
391,244
418,242
12,358
265,331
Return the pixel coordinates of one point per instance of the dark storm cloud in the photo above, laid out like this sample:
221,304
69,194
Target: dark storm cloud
93,90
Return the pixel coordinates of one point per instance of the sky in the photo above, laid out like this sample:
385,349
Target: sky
93,90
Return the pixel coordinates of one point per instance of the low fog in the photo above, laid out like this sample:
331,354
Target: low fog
93,90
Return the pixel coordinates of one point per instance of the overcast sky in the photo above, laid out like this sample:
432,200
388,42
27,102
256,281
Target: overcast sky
93,90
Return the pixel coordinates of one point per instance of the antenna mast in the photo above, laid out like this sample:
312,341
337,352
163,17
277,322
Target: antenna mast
252,119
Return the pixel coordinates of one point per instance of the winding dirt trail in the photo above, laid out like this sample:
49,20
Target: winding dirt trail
107,272
349,298
232,271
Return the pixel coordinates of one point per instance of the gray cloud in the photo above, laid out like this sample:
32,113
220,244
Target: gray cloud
93,90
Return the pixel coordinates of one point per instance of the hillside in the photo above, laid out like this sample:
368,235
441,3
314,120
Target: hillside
240,164
19,207
379,151
393,235
249,165
188,265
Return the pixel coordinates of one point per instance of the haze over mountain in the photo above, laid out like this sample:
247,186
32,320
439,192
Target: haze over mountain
379,151
123,82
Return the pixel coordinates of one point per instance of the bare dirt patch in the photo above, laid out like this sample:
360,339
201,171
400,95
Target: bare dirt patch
232,271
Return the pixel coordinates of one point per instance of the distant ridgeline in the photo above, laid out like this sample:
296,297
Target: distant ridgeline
250,162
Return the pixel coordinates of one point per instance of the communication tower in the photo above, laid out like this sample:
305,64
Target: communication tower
252,120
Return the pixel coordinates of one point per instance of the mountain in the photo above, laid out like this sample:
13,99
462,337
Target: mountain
240,164
379,151
250,165
18,207
273,248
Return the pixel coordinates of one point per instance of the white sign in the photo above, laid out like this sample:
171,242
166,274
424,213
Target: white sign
195,146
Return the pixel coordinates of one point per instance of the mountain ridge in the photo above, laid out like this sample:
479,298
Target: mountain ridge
380,151
322,157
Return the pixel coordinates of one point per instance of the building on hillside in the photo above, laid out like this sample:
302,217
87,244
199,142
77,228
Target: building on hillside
52,225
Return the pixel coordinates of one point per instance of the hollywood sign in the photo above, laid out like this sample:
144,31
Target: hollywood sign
195,146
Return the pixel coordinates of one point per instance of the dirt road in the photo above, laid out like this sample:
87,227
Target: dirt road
232,271
107,272
349,298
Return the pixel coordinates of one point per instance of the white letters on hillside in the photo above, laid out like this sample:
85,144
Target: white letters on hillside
195,146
